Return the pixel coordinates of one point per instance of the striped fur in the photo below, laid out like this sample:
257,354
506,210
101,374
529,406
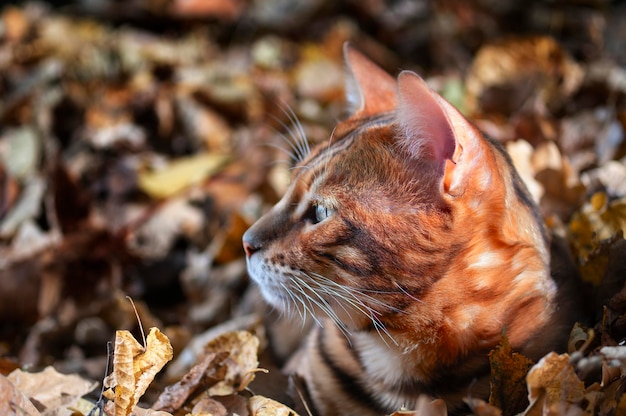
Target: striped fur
413,243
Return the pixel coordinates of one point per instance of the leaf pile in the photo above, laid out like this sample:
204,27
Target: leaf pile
139,140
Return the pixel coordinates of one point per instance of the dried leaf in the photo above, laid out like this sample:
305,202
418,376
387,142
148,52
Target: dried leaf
180,174
52,390
593,230
508,74
208,371
262,406
196,348
13,401
241,363
135,367
553,385
508,375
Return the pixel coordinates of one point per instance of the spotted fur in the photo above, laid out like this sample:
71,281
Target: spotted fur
414,244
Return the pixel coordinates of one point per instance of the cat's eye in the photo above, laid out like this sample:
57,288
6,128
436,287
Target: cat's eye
321,213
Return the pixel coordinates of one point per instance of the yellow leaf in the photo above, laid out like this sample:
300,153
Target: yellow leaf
180,174
134,367
158,353
125,350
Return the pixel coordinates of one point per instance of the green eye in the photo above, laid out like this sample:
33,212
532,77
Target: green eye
321,213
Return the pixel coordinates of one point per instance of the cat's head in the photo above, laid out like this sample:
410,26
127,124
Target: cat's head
403,194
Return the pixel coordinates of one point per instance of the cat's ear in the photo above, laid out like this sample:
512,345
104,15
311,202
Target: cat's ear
369,89
433,128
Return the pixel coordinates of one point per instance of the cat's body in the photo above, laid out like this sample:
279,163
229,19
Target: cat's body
415,239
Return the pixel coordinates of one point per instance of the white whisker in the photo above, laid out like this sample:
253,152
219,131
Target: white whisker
352,297
296,138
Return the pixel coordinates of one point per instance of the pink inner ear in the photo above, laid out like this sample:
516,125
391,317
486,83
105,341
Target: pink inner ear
369,89
426,127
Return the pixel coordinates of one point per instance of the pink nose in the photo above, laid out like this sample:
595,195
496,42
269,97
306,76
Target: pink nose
249,249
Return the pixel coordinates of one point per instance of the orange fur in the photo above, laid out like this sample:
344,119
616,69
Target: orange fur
414,235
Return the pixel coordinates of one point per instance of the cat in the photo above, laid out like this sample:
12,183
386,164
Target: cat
414,244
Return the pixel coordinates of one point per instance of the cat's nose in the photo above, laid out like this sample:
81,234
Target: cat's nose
249,249
248,244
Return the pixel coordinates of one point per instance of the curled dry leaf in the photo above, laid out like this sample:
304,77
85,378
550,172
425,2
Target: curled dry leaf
579,338
134,367
553,385
262,406
241,363
196,347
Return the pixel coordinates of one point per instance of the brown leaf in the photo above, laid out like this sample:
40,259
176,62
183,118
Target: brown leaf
235,404
13,401
508,375
509,74
262,406
241,363
208,371
52,390
134,367
209,406
553,385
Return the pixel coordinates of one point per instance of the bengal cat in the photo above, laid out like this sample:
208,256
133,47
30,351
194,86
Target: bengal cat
413,242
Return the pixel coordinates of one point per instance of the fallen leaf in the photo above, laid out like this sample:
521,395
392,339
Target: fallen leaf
208,371
54,392
526,71
262,406
241,363
508,376
134,367
593,229
196,347
13,401
180,174
553,385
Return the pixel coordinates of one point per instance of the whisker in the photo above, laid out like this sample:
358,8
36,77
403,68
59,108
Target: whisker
308,299
292,151
300,134
297,136
352,297
403,290
322,304
294,301
362,293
